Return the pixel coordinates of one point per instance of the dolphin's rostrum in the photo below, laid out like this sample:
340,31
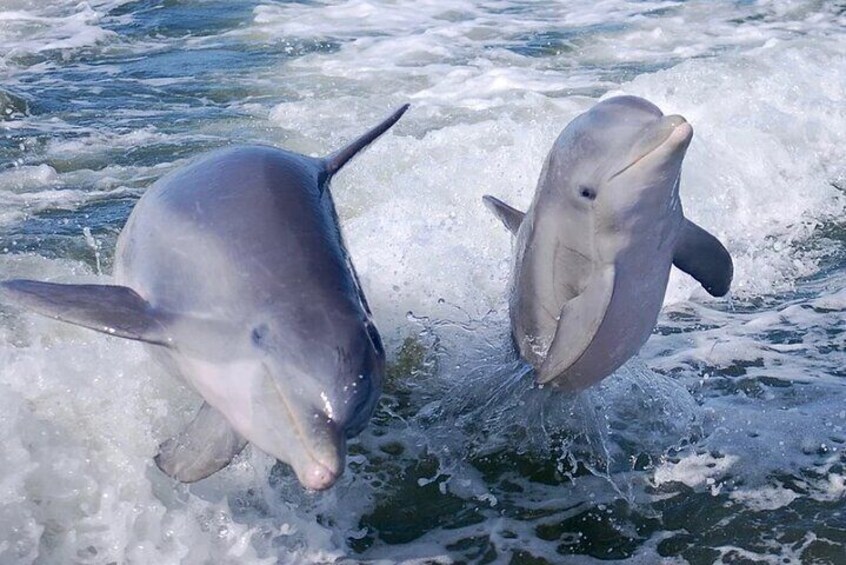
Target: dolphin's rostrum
594,249
234,270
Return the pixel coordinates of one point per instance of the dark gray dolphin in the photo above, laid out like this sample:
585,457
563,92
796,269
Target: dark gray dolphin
594,249
234,270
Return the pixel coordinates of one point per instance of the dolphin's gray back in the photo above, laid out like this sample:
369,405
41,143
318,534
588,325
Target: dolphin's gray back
240,230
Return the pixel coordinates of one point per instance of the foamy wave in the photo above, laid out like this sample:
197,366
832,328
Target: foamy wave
33,29
745,411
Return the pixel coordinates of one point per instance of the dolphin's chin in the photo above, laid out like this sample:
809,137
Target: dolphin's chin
316,465
681,132
320,473
315,476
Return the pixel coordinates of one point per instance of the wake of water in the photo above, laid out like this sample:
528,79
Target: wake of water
722,442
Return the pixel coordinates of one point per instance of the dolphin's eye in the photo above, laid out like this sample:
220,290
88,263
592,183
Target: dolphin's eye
259,333
587,192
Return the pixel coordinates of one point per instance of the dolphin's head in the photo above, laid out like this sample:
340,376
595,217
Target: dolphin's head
621,157
297,395
649,171
314,394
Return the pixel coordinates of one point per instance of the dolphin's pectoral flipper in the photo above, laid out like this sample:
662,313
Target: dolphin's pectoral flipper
115,310
205,446
702,256
334,162
511,217
577,326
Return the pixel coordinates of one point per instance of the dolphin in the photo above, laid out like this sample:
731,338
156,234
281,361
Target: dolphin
594,249
234,271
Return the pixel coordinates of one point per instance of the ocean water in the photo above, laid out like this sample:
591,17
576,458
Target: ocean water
723,441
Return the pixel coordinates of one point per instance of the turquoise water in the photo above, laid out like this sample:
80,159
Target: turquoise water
722,442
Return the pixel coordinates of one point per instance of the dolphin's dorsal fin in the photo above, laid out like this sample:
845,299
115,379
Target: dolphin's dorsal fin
205,446
511,217
702,256
114,310
334,162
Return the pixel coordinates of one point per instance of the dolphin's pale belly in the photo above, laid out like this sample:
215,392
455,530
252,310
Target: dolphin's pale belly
628,322
539,295
553,265
593,310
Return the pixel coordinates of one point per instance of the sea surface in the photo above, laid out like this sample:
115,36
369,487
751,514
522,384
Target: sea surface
724,441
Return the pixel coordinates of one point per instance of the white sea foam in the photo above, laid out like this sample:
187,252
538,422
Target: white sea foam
37,27
737,406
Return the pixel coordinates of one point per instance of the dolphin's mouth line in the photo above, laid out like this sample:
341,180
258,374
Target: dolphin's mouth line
630,165
295,423
645,155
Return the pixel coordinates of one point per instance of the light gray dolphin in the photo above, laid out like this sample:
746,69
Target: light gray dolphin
595,247
234,270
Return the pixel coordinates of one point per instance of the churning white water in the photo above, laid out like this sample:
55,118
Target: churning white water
722,442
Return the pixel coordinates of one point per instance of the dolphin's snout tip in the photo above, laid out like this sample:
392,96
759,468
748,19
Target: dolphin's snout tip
680,129
318,477
675,120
